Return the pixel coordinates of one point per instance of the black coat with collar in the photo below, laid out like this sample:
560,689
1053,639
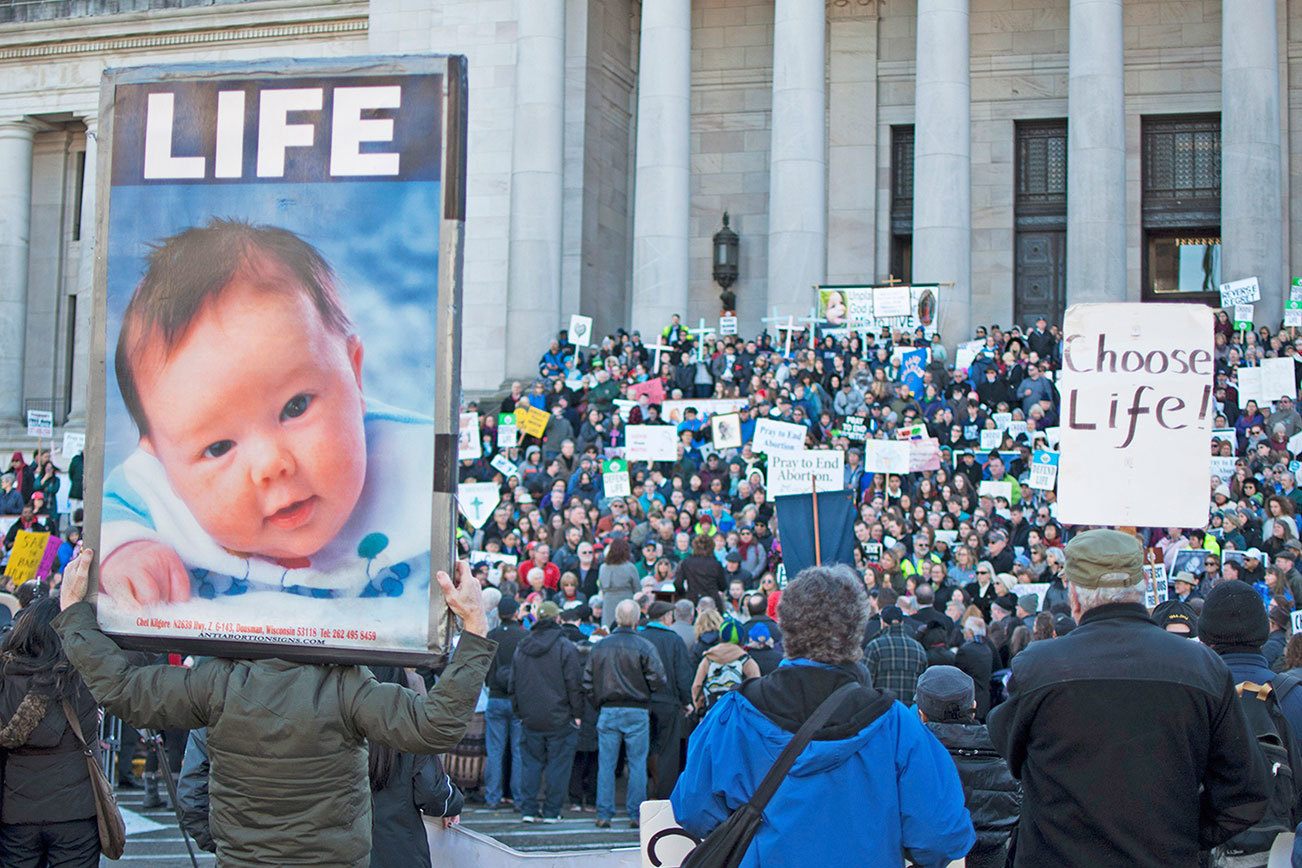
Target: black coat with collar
1130,744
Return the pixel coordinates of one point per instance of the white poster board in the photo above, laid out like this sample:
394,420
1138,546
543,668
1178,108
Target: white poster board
73,442
795,472
469,446
886,456
477,501
1277,379
40,423
1044,470
580,333
1245,291
773,436
891,301
504,465
651,443
996,488
1222,467
1155,361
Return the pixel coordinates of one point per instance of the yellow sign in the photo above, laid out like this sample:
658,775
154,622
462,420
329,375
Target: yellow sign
29,549
531,420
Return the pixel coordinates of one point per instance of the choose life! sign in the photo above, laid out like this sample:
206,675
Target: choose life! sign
1136,402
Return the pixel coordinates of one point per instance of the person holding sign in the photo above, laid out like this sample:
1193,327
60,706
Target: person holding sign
287,742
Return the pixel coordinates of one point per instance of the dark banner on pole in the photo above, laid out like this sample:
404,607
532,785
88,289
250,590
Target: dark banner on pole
796,529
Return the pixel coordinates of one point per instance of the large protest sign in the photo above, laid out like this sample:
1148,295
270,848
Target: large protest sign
1245,291
1277,379
773,436
580,331
725,431
469,446
799,472
873,308
650,443
614,478
294,449
40,424
531,421
924,454
1136,401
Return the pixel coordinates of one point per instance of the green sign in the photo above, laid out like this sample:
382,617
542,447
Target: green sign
1293,312
614,465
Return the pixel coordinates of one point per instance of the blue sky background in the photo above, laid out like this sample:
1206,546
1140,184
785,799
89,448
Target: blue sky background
380,237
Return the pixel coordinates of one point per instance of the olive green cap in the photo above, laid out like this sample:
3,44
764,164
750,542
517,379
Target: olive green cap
1104,559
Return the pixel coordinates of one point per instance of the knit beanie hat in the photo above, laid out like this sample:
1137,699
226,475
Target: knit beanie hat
1234,619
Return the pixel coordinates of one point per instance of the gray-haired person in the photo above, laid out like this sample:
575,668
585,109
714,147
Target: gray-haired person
1129,741
836,806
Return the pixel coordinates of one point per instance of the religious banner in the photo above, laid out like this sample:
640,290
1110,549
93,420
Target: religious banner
271,469
1136,401
902,308
477,500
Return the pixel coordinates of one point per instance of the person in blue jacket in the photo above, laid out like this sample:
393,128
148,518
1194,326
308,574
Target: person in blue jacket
839,805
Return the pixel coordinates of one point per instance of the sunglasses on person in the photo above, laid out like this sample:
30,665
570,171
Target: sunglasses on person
983,572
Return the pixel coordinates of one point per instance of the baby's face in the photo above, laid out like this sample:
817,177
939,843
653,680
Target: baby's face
257,418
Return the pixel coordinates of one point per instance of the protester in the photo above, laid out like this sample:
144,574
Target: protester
895,659
946,702
260,733
1160,708
622,674
670,702
546,687
501,726
836,806
47,806
723,667
404,788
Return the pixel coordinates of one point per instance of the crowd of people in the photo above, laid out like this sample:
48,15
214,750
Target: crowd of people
959,582
648,636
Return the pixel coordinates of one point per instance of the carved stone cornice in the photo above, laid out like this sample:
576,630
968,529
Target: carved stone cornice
853,8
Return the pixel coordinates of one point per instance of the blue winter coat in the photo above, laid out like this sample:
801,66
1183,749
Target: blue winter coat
838,806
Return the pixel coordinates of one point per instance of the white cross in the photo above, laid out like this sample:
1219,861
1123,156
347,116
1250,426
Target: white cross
775,320
813,319
657,348
701,332
791,328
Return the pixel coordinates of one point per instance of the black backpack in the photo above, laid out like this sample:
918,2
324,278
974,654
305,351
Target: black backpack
1261,705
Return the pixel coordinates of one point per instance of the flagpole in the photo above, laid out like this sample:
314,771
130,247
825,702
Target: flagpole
818,536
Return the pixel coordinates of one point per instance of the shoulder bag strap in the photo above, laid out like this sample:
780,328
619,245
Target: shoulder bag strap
797,745
1283,684
75,724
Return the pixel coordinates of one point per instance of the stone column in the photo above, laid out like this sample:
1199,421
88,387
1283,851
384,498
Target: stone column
15,236
85,290
661,196
942,163
1251,180
798,156
537,173
1096,154
852,144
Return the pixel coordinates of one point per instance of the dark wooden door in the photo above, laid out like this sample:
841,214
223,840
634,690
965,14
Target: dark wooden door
1040,282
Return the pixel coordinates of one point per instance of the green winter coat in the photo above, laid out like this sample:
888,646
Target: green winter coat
287,741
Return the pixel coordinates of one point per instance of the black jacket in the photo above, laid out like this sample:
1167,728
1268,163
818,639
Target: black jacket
45,778
701,576
1113,729
507,637
623,671
977,658
418,785
679,672
992,794
546,676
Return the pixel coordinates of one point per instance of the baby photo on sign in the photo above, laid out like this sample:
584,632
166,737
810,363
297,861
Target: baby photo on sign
270,380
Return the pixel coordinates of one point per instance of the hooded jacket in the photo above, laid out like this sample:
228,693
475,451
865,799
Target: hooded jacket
918,810
546,684
287,741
